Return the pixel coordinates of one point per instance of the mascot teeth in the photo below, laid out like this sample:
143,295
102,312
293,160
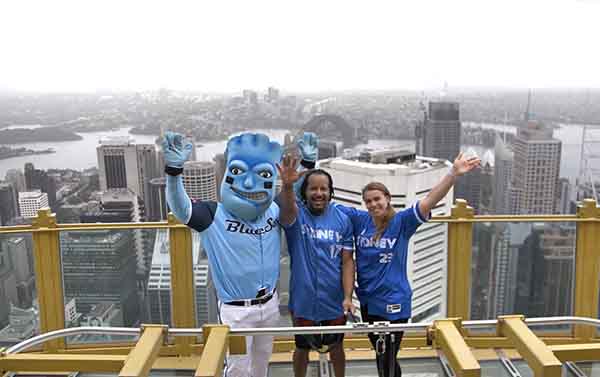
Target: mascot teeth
251,195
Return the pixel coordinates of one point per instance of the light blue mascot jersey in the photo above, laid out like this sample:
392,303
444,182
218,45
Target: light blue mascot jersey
243,255
241,235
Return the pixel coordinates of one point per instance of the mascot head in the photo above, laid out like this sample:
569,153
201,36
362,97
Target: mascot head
248,186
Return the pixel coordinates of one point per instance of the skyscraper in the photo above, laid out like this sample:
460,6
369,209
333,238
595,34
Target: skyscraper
17,252
30,202
159,285
409,179
9,204
503,166
440,134
157,206
99,266
124,164
37,179
536,169
199,180
17,178
123,206
469,186
220,166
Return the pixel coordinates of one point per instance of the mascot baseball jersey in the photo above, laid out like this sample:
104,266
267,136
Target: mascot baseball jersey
244,255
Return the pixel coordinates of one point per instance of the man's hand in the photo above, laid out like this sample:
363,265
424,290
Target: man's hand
348,306
288,172
174,149
463,165
309,146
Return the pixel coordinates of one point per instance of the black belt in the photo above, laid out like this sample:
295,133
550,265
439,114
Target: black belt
255,301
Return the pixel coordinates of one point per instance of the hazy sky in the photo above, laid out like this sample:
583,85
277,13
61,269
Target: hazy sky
302,45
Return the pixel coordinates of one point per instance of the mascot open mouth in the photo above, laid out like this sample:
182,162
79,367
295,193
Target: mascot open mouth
253,196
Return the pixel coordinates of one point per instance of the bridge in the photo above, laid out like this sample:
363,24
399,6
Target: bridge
330,122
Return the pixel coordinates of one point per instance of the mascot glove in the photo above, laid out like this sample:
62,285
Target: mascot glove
309,146
174,149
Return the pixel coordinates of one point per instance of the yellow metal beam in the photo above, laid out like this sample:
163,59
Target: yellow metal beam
576,352
62,362
537,354
456,350
213,355
460,240
587,267
140,360
48,276
182,283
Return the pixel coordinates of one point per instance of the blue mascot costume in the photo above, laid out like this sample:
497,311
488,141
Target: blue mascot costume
241,237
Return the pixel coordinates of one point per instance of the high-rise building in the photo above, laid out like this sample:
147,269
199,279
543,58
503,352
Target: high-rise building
199,180
17,252
123,206
558,242
9,203
159,285
503,166
37,179
329,149
23,324
408,180
17,178
30,202
487,183
531,270
440,133
8,287
564,199
124,164
220,166
100,266
157,206
250,97
536,169
272,94
468,187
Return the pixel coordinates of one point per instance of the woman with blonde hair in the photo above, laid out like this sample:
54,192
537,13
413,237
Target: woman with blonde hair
381,237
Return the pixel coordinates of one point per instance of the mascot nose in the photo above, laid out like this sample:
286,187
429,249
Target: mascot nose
249,182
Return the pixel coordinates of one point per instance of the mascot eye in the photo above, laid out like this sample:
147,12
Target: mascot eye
236,171
265,174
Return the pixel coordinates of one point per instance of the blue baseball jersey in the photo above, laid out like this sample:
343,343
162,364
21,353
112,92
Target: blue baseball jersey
243,255
381,265
315,245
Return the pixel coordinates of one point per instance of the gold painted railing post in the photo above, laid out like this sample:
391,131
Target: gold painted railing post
48,276
450,340
216,343
460,237
587,267
183,299
141,358
537,354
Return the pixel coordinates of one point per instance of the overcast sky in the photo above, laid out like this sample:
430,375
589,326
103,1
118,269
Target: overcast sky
302,45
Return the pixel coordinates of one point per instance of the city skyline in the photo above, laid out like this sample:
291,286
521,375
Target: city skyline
224,47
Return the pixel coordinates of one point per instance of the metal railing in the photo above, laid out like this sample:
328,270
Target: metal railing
48,275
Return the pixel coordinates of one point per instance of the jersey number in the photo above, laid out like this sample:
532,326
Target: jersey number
385,257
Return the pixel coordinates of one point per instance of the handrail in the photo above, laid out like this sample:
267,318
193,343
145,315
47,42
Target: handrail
357,328
166,225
